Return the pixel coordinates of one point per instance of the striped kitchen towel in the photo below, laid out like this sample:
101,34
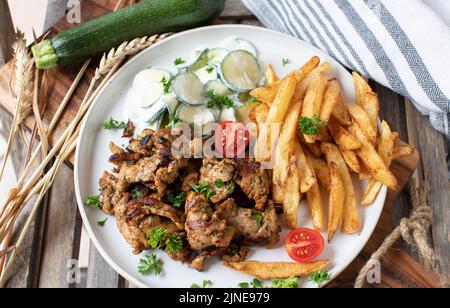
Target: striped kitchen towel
402,44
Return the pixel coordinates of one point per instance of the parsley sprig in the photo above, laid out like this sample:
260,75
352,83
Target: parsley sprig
111,124
178,200
102,223
93,201
174,243
166,82
179,61
310,126
158,236
173,121
219,102
204,188
258,218
210,69
285,61
150,265
320,277
137,194
205,284
289,283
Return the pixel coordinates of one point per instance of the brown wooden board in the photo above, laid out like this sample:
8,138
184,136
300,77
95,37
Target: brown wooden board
398,268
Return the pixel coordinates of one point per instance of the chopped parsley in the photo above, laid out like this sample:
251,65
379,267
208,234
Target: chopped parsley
93,201
150,266
156,237
220,184
244,285
166,84
204,188
289,283
219,102
178,200
231,187
310,126
102,223
286,61
111,124
320,277
256,284
174,243
137,195
179,61
258,218
205,284
173,121
210,69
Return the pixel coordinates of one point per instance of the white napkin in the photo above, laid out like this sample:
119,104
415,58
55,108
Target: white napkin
402,44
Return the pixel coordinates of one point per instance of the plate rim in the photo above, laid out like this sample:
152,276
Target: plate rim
80,202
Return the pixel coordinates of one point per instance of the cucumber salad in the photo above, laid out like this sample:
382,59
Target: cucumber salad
212,86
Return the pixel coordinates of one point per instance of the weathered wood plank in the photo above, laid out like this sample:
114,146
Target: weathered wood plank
6,33
100,274
62,233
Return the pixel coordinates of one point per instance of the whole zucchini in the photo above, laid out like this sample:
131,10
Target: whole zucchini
106,32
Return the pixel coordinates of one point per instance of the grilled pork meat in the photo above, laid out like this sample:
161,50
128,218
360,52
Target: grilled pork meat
253,227
254,181
205,227
219,174
109,196
199,260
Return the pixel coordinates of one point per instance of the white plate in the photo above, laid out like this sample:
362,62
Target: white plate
92,159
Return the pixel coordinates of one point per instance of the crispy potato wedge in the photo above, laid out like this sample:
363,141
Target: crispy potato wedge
277,270
276,115
364,174
314,196
321,170
292,194
363,120
306,172
361,88
277,194
331,97
372,160
259,113
342,136
341,114
313,100
271,75
402,152
337,202
350,222
352,161
306,82
265,94
314,148
372,107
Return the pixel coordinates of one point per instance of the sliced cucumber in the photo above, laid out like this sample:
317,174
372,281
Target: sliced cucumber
155,111
149,86
189,89
239,43
199,115
240,71
244,97
218,87
228,114
200,62
207,73
171,102
208,57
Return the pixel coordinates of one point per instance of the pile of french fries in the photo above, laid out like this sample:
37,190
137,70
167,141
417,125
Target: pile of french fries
349,141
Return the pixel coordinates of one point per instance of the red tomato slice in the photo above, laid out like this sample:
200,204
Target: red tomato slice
304,245
232,139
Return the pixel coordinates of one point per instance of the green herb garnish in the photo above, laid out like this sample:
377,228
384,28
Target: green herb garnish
178,200
205,284
114,124
310,126
93,201
150,266
179,61
289,283
244,285
204,188
174,243
220,184
172,122
137,195
259,218
218,102
102,223
286,61
256,284
156,237
210,69
166,84
231,187
320,277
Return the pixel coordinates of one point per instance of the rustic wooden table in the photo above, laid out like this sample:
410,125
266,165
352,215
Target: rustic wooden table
55,238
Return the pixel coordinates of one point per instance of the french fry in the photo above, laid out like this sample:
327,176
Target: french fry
277,270
276,115
325,135
337,202
330,99
265,94
364,174
314,148
259,113
314,196
363,120
402,152
361,88
292,194
352,161
386,147
372,107
271,75
322,68
341,114
313,100
321,170
350,222
372,160
342,136
277,194
307,176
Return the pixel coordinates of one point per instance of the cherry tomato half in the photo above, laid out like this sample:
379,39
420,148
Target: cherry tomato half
232,139
304,245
